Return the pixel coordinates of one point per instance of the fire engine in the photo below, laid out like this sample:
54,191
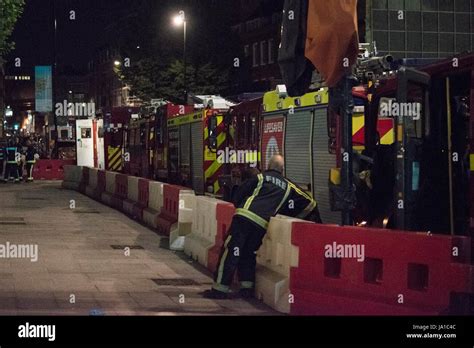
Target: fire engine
402,174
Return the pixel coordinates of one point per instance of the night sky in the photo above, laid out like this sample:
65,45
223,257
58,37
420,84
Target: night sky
78,40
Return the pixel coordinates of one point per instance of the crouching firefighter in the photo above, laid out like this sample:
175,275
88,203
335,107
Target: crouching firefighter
31,155
257,200
12,168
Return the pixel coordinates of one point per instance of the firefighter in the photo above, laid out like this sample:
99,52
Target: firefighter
30,158
257,201
13,157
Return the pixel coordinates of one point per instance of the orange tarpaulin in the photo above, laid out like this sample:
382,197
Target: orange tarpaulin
332,41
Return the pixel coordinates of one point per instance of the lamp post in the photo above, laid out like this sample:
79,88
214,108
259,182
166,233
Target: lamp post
179,20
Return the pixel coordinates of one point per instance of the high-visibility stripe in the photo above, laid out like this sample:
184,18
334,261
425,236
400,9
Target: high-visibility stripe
302,193
213,168
388,138
255,192
220,271
309,208
246,285
252,217
287,193
113,163
114,158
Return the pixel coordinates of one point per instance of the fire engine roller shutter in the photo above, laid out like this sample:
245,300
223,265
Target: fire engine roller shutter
323,161
197,157
297,148
184,145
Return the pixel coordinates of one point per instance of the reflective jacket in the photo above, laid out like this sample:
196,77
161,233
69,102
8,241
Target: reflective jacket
270,194
2,153
11,154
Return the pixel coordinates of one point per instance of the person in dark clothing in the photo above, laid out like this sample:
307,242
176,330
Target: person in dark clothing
31,154
258,199
13,157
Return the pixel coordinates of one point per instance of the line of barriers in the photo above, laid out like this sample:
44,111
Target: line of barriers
303,268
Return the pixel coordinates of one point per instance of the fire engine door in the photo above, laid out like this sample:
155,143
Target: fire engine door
85,143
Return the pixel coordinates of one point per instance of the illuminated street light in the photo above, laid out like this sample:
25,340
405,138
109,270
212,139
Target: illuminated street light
180,19
117,63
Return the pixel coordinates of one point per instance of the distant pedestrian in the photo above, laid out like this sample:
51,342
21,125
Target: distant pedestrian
30,158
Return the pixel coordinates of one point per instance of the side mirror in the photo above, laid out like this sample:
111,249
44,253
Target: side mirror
212,132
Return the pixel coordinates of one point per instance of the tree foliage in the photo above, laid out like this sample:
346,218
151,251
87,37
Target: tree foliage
10,11
154,78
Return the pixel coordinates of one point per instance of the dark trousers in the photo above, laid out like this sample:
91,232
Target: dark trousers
11,171
29,170
239,253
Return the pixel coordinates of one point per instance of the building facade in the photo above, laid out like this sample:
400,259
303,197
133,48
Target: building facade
421,28
430,29
258,27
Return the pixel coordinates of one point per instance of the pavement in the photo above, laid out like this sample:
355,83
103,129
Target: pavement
78,271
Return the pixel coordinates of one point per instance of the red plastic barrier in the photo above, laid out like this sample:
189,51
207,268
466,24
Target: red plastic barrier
169,212
121,190
404,273
224,215
50,169
143,196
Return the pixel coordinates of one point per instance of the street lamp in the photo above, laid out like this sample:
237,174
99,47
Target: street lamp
179,20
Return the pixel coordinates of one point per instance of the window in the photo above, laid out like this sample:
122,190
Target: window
255,55
86,133
64,134
246,51
271,45
263,52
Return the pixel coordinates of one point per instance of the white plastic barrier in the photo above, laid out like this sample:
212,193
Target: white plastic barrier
274,259
93,181
155,202
204,229
109,192
72,177
132,195
179,231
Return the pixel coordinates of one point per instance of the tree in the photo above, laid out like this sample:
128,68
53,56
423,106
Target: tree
155,78
10,11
